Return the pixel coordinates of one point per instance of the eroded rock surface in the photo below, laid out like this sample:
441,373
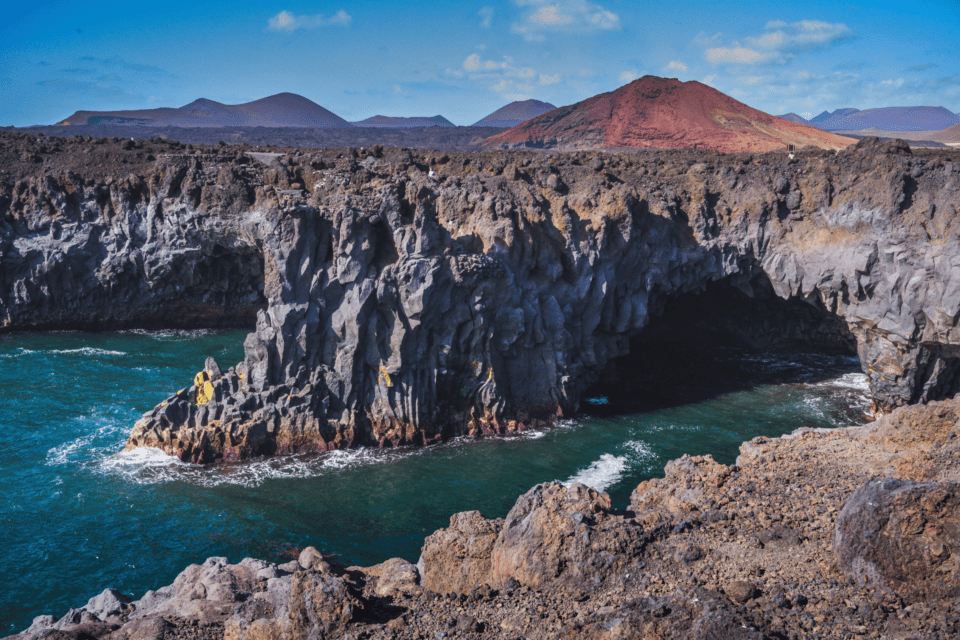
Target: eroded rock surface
398,307
903,537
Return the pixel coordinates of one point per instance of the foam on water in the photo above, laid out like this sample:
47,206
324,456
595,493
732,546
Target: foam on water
601,474
87,351
856,381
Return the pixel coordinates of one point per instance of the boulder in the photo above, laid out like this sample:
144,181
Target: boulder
457,559
902,537
570,535
395,577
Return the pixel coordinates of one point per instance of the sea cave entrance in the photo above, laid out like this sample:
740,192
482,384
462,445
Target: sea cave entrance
730,337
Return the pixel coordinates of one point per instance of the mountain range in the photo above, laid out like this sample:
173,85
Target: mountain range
884,119
281,110
654,112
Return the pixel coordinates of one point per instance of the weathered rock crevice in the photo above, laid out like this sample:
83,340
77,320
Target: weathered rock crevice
399,307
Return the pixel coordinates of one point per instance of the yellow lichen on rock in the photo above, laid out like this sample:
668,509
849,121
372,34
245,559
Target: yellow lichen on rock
204,393
200,378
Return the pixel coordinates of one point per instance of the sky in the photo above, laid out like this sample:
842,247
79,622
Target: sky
463,60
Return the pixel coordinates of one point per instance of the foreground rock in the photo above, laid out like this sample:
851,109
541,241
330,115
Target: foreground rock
405,297
820,534
903,537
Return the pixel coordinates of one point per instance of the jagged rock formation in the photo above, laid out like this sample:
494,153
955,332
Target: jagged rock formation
410,297
797,540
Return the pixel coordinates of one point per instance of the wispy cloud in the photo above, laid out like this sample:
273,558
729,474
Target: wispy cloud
922,67
486,15
780,43
287,21
503,77
676,65
629,76
572,16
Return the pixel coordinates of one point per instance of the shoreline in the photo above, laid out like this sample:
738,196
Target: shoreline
746,548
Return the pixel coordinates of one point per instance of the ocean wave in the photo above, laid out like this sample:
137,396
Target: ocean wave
641,449
87,351
16,353
171,334
151,466
856,381
601,473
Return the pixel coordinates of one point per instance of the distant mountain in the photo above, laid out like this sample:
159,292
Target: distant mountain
792,117
950,135
388,122
887,119
657,112
826,115
281,110
514,113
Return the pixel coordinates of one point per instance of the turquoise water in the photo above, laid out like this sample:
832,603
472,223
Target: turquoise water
76,517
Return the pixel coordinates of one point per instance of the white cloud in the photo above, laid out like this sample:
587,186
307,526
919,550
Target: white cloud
286,21
629,76
736,55
571,16
676,65
751,79
780,42
487,14
503,77
550,17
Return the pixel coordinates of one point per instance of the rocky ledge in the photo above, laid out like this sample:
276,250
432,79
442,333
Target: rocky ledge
844,533
404,297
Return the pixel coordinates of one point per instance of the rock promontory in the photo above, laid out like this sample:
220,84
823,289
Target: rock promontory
402,297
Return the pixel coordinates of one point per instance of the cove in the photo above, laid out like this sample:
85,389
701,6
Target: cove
76,516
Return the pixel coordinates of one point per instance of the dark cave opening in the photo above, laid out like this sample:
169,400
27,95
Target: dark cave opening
729,337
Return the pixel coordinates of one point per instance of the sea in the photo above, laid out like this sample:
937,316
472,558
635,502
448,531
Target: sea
78,516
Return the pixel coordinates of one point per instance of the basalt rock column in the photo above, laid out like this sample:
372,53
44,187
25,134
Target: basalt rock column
400,307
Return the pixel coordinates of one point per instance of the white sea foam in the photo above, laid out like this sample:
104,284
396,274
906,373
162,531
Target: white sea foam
601,474
88,351
171,334
152,466
16,353
141,458
641,449
855,381
68,451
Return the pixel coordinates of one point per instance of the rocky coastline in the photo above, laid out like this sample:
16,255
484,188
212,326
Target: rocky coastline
846,533
404,297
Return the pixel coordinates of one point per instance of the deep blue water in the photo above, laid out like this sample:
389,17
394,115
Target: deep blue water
76,516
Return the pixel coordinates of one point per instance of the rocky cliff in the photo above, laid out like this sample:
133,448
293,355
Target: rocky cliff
404,296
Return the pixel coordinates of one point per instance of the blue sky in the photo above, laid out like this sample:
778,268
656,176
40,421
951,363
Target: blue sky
465,59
